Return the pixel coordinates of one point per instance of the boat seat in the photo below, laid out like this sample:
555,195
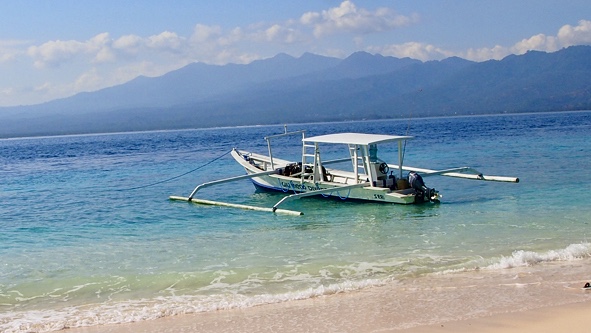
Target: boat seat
344,177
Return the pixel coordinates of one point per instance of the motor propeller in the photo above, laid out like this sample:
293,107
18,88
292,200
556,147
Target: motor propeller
423,192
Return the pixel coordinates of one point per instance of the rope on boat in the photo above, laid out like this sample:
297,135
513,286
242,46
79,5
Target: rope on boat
407,130
175,177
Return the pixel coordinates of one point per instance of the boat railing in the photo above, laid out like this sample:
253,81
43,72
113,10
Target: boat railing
286,133
345,177
340,160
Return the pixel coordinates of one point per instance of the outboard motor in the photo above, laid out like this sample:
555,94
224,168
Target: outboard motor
424,194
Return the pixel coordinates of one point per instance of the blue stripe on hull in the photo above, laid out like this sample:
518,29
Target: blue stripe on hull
266,187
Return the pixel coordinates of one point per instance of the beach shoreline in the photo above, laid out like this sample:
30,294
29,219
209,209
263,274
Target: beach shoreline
542,298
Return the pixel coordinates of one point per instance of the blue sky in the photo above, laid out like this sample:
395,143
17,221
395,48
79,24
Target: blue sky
55,49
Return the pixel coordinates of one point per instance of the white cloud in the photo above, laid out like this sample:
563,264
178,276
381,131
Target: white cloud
566,36
7,56
44,87
104,54
413,50
166,41
101,48
88,81
133,45
310,18
129,44
281,34
235,35
208,43
274,34
54,53
349,18
11,50
581,34
482,54
213,44
204,33
538,42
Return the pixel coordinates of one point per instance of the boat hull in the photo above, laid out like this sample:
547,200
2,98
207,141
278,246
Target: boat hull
294,185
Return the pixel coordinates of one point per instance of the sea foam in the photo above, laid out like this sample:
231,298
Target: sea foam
135,311
523,258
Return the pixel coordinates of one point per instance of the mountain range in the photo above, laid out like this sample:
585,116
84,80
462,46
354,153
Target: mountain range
284,89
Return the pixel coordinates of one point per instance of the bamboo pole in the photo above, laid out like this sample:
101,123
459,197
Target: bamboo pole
453,173
232,205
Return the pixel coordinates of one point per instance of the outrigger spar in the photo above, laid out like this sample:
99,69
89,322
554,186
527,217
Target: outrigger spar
368,177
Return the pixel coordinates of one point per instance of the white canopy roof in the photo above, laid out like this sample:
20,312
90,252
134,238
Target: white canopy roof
356,138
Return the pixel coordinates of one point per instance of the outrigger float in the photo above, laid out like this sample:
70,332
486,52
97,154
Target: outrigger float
368,177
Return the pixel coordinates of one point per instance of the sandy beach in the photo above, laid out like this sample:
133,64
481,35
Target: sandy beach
538,299
572,318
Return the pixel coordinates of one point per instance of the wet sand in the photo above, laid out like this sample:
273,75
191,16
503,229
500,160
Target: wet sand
546,298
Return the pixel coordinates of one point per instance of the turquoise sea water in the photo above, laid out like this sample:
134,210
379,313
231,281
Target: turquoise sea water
83,242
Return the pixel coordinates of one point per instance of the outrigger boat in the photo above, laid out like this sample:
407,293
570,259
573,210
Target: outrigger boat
368,177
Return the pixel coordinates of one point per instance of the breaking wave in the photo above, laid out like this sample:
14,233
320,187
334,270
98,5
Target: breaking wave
523,258
135,311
